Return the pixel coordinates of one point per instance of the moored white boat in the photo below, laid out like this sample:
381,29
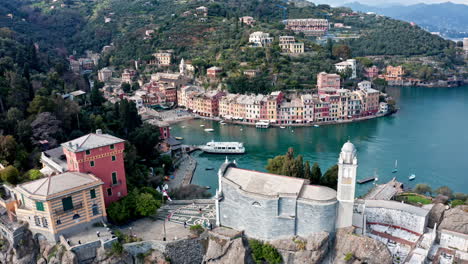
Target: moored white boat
209,129
412,177
223,147
262,124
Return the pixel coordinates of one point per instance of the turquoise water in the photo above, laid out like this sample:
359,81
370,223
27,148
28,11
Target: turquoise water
428,137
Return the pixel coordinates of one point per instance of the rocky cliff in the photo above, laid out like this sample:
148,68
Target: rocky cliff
298,250
351,248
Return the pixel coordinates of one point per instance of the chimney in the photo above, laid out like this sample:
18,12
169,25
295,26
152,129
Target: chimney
99,131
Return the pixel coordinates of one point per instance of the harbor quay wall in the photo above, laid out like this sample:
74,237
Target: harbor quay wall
270,218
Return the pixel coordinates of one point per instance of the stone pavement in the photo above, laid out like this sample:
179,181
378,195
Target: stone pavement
153,228
192,214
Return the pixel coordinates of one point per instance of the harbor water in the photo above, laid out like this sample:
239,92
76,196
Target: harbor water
428,136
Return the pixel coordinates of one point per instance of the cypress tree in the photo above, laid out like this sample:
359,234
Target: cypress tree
316,174
307,173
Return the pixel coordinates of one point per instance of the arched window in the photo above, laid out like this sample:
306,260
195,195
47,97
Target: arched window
76,216
256,204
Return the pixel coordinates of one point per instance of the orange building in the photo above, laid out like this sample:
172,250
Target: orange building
394,73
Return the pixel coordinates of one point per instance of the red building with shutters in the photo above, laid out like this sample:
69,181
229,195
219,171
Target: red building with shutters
103,156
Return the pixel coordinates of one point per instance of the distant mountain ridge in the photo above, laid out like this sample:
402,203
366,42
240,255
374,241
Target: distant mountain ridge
448,18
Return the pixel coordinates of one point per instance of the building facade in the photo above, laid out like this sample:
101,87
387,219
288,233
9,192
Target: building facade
347,65
328,83
258,202
62,204
394,73
260,39
102,155
308,26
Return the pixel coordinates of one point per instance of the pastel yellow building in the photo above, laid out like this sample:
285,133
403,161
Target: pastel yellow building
60,205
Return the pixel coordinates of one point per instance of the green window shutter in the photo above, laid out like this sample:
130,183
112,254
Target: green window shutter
40,206
67,204
92,193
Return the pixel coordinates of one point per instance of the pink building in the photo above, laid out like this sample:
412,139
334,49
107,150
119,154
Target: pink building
328,83
101,155
214,72
372,72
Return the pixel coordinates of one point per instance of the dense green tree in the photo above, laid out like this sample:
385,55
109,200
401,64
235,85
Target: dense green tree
145,139
128,116
126,87
316,174
330,178
147,205
34,174
341,52
307,172
10,175
444,190
275,165
96,98
8,149
422,188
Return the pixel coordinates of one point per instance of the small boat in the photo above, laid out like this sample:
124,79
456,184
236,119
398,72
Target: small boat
241,129
395,169
262,124
207,187
170,128
209,168
412,177
316,125
292,131
179,138
209,129
202,125
282,127
182,126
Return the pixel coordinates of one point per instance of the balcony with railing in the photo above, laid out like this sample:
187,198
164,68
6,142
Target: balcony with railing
75,207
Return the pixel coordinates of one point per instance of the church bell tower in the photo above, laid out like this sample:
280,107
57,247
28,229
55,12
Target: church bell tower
347,170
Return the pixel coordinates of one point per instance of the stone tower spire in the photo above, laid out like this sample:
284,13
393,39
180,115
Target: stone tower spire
182,67
347,170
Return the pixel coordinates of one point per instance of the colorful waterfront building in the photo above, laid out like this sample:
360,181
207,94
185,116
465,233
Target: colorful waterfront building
321,109
62,204
101,155
328,83
369,101
394,73
308,104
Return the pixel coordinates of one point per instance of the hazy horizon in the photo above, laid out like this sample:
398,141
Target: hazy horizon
386,3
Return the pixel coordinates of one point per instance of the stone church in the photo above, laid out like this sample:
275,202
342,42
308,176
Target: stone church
268,206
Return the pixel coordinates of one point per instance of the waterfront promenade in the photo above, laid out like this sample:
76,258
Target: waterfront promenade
178,115
183,173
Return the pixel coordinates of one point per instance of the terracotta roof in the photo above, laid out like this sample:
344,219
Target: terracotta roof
91,141
50,186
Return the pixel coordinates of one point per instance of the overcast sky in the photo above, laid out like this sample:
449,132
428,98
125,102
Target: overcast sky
386,2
